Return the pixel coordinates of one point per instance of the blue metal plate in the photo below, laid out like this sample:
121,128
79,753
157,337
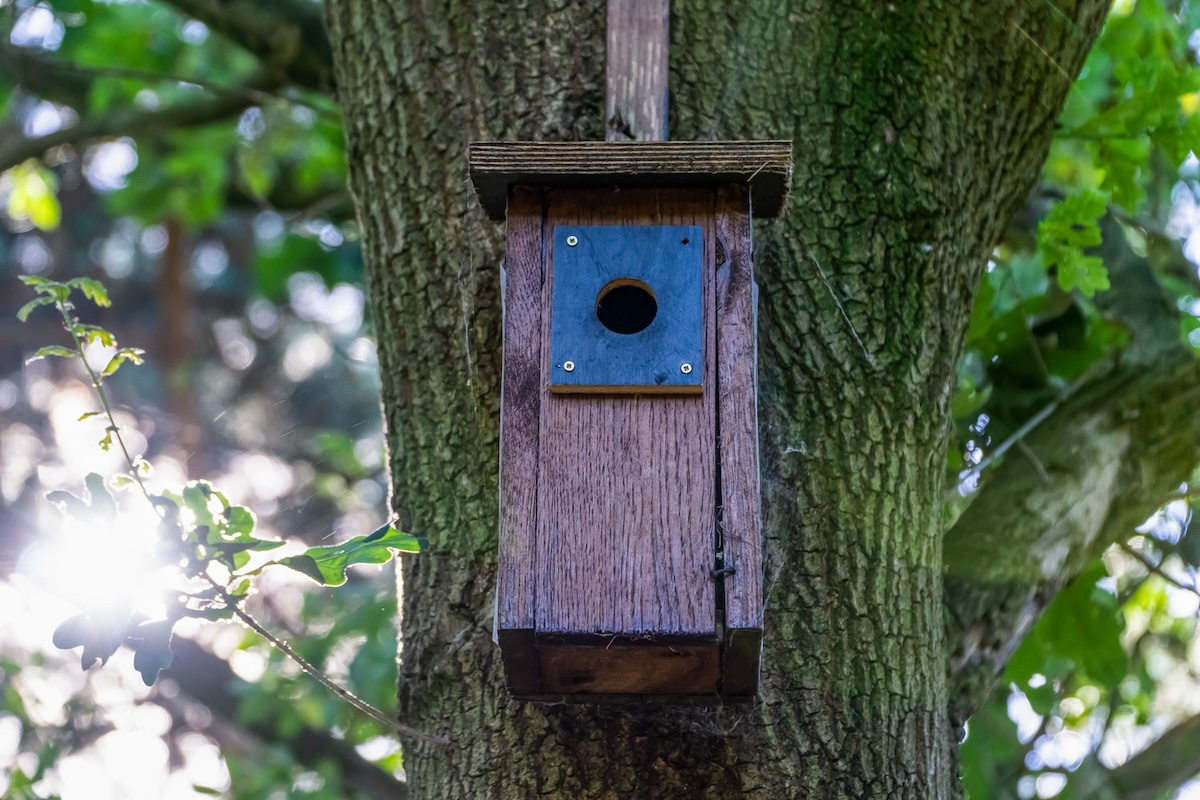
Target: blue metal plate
654,274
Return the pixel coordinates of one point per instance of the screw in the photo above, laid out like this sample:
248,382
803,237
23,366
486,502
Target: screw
569,366
572,241
686,368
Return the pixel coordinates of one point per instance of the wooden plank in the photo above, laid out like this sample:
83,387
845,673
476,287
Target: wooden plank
638,42
631,669
626,523
520,412
522,665
737,380
766,166
740,657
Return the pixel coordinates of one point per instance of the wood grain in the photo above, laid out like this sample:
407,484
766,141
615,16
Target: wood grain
638,42
765,166
520,413
631,669
626,490
737,410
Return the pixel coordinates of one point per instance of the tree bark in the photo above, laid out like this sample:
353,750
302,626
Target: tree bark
919,127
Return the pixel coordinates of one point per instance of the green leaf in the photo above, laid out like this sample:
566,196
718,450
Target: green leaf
106,93
258,170
94,333
32,195
1085,273
990,750
101,501
88,415
1072,221
256,545
1042,699
327,565
130,354
212,614
152,648
195,498
239,520
1079,632
122,482
27,309
99,635
69,504
1029,275
52,350
93,290
1069,229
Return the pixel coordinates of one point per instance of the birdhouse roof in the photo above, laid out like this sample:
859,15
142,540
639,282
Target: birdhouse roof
766,166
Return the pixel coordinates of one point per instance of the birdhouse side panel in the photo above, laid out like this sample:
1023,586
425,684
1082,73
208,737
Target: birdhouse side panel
520,415
740,509
626,483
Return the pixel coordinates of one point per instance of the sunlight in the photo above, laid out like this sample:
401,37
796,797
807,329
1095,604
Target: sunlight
110,563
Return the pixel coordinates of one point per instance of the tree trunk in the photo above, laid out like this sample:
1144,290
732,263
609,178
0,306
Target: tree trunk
918,126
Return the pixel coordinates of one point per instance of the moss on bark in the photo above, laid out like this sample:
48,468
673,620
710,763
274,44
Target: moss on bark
918,128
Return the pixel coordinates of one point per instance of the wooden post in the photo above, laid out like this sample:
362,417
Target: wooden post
638,40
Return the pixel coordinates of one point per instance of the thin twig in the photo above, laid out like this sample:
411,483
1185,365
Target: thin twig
825,279
1184,494
1047,55
1037,419
59,67
321,678
1158,570
1017,435
70,322
150,76
1027,451
249,621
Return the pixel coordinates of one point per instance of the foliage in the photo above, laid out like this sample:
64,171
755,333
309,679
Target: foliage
32,196
1090,677
327,565
203,535
200,528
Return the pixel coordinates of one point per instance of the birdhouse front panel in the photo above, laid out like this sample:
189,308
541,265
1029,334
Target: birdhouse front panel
627,478
626,309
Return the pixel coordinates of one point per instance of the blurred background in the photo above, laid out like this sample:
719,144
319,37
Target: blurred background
231,256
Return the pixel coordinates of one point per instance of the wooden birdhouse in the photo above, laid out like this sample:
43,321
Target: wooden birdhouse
630,562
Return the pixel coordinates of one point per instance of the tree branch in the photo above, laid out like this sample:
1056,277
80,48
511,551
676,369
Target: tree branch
43,77
298,203
1114,450
133,122
286,35
1157,569
1166,764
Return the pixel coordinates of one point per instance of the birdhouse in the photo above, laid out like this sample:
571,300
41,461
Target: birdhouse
630,534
